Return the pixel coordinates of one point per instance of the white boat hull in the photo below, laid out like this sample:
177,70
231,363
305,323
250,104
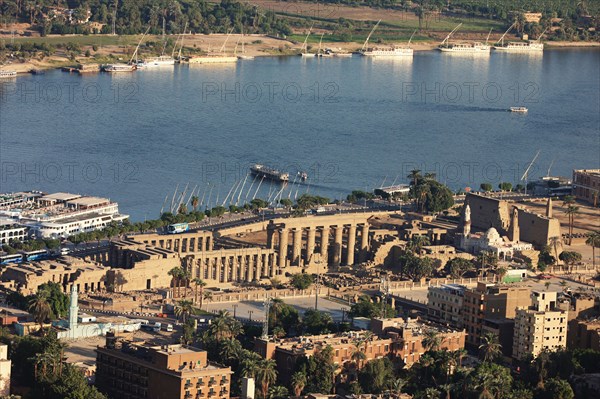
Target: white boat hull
383,53
213,60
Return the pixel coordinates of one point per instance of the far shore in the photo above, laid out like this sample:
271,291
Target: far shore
255,45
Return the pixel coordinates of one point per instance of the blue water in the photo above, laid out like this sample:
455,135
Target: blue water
350,123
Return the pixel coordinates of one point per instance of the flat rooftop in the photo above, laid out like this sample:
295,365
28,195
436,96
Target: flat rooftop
88,201
60,197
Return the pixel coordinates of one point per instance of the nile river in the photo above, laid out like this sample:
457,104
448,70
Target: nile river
350,123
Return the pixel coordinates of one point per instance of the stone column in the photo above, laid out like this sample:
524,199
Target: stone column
296,247
337,245
310,244
324,243
283,247
364,242
270,234
351,244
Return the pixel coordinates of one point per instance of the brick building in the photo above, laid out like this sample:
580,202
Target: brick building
396,338
131,370
491,302
586,185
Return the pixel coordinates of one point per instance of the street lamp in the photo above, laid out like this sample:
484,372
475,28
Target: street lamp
234,310
250,314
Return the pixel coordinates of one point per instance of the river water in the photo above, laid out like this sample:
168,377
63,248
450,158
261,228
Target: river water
351,124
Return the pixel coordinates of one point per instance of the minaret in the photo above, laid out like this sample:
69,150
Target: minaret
73,309
467,221
514,226
549,208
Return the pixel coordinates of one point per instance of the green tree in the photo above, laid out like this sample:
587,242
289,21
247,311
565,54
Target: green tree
298,382
266,375
593,240
316,322
376,375
57,299
301,281
490,348
556,388
364,307
487,187
570,258
458,267
505,186
40,308
184,309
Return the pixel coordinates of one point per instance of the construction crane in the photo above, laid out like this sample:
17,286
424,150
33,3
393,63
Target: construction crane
526,174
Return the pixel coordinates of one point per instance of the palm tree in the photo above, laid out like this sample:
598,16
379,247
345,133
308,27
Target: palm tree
547,285
397,385
224,326
447,388
298,382
184,308
195,202
571,211
176,274
431,340
358,355
278,392
555,242
198,282
593,240
490,348
231,349
414,175
266,374
40,308
501,272
417,242
207,296
185,276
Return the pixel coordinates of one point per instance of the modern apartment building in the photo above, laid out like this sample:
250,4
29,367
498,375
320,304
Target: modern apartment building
492,302
540,326
445,304
586,185
131,370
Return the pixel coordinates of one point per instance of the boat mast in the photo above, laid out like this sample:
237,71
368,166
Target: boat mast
447,39
243,51
227,38
488,37
505,33
539,39
364,47
138,46
304,46
411,37
320,41
181,45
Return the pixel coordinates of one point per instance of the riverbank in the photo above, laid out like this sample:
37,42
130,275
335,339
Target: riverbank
119,48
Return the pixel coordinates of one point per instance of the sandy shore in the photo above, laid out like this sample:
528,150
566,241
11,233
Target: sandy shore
255,45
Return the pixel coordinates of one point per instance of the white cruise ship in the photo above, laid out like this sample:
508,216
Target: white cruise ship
393,51
163,60
521,47
464,48
60,215
478,48
8,74
116,68
388,52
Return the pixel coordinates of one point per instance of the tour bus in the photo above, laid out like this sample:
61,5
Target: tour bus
176,228
35,255
8,259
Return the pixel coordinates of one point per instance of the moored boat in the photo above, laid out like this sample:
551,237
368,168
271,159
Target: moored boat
8,74
269,173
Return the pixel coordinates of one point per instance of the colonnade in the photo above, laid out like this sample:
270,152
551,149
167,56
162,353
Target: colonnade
233,265
315,244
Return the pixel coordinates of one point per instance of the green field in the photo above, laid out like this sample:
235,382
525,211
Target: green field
82,40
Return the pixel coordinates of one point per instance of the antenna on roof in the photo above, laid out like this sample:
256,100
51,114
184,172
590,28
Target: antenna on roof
265,331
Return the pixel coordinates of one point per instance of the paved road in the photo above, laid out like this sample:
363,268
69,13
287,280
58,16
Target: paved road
242,309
